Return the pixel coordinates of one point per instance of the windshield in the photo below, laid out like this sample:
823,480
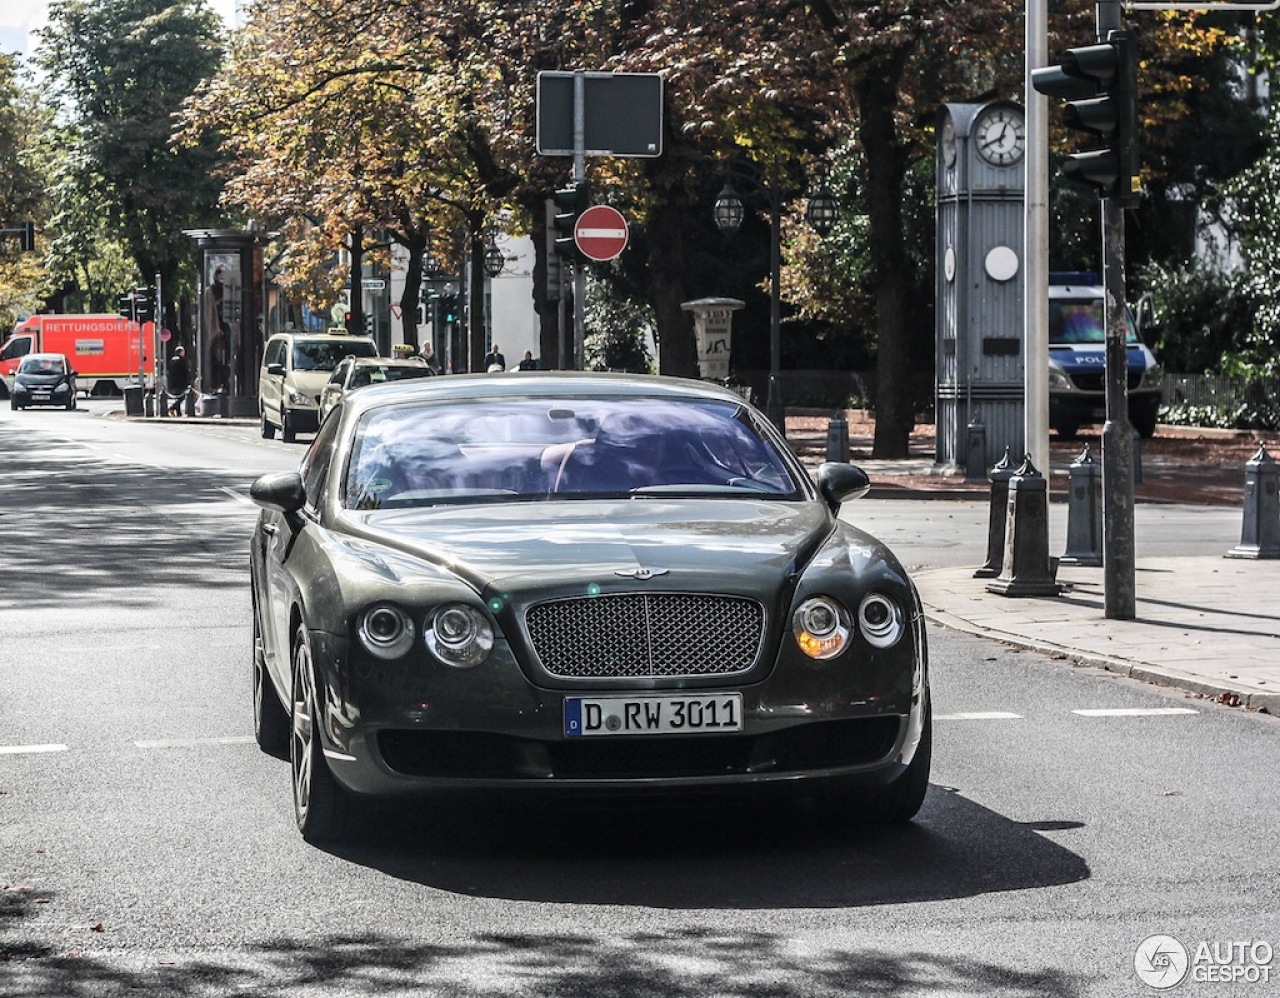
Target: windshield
563,448
1075,321
376,374
42,365
325,355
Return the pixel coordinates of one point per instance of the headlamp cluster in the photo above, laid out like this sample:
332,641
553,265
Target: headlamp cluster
457,634
823,627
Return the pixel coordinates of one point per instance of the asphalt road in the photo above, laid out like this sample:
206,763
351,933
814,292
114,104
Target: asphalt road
147,846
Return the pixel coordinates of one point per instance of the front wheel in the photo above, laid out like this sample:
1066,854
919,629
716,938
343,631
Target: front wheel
319,804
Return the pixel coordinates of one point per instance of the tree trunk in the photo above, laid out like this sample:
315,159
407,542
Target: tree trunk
477,347
895,409
677,351
413,239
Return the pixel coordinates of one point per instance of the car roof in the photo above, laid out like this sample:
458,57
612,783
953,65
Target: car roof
46,356
526,384
384,362
322,337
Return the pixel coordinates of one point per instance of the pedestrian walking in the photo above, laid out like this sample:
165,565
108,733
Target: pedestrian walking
427,355
178,379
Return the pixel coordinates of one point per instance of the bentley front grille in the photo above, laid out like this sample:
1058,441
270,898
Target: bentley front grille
642,635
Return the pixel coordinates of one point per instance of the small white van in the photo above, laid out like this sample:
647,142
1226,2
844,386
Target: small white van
295,369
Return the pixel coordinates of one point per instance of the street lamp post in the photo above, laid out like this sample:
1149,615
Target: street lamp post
729,212
494,261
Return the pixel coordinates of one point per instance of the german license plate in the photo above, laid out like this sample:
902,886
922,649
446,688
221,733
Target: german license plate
652,715
40,396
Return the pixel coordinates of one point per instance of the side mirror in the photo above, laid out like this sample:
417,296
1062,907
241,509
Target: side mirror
838,481
281,491
276,369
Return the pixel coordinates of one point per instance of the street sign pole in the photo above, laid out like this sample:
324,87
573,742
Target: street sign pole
579,176
1119,563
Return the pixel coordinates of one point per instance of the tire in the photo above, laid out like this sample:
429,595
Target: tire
268,429
14,405
287,432
901,799
270,719
319,804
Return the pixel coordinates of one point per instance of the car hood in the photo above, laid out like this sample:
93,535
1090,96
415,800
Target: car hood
1082,358
40,380
743,545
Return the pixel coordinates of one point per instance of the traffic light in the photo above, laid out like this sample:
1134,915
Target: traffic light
127,306
1100,85
144,304
449,305
368,324
348,320
570,202
555,272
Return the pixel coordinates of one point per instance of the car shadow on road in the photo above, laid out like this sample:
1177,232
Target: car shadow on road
726,855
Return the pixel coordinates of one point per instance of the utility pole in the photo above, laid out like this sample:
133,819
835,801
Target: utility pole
1119,561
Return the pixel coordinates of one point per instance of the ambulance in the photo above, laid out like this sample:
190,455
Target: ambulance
106,351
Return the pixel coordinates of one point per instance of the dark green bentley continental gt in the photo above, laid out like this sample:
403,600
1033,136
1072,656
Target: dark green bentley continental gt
578,583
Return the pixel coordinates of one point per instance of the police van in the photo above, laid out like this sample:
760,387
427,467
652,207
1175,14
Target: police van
1077,359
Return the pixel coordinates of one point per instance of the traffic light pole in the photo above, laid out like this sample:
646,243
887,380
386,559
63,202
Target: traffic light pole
1119,568
579,177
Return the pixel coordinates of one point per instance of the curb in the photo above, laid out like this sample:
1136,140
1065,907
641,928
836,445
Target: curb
1228,694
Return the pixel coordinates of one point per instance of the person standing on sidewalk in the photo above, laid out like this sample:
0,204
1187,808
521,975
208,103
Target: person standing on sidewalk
178,379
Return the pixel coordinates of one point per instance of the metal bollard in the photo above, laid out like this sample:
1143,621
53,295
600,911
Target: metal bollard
189,402
838,438
1001,472
975,468
149,404
1260,533
163,408
1084,512
1027,570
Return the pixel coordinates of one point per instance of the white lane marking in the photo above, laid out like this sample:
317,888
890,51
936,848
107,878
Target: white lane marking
978,715
1133,711
23,749
194,742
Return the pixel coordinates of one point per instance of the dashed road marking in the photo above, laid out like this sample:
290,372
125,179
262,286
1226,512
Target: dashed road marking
24,749
163,743
1133,711
978,715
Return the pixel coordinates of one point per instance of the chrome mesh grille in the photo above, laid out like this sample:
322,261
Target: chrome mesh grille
642,635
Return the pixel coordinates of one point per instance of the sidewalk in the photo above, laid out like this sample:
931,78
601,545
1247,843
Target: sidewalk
1206,625
1210,626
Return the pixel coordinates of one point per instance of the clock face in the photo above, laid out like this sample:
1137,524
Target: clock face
949,142
1000,136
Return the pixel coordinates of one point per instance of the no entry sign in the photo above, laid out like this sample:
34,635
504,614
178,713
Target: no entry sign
601,233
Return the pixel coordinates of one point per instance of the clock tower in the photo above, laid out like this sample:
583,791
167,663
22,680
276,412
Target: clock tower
978,359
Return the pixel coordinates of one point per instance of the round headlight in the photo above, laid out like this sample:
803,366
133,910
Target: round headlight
880,619
821,627
459,635
385,631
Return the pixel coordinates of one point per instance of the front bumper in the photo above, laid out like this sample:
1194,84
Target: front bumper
390,732
1076,407
27,395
